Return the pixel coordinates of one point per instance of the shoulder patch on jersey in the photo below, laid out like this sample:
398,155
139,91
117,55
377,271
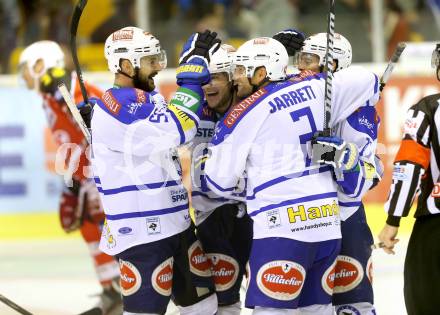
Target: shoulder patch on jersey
365,120
239,109
110,102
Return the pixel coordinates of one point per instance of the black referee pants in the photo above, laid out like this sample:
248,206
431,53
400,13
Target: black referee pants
422,268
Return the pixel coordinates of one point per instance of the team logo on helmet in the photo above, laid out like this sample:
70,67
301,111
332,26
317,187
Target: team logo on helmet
224,270
369,270
130,278
162,277
348,274
328,279
124,34
261,41
198,262
281,279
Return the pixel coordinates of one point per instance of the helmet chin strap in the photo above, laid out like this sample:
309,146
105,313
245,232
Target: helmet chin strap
137,83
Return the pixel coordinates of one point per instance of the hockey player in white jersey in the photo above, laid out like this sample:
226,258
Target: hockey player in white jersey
292,202
353,293
137,171
223,226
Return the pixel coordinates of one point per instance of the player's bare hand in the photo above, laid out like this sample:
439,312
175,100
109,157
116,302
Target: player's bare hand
388,238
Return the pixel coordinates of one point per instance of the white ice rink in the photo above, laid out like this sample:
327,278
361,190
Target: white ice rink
56,277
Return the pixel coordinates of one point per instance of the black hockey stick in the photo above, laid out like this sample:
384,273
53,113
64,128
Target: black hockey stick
86,110
391,64
329,67
14,306
73,29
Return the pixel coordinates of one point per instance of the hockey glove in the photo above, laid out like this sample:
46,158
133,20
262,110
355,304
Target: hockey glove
200,44
336,152
88,199
69,212
86,110
291,39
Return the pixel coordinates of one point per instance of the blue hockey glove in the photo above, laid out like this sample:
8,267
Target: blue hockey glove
291,39
335,152
86,110
194,71
200,44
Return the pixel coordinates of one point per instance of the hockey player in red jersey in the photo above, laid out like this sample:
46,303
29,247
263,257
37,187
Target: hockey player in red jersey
42,68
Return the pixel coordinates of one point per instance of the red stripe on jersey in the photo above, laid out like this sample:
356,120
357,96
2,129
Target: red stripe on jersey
414,152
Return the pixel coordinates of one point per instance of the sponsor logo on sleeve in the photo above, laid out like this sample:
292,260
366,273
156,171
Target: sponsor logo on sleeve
111,103
281,279
369,270
162,277
411,126
224,271
198,262
328,279
348,274
130,278
153,226
238,110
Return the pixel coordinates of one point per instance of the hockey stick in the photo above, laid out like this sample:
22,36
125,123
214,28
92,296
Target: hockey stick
14,306
329,67
73,29
391,64
74,110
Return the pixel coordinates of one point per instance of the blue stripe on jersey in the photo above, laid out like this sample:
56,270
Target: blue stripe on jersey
361,186
148,213
217,185
113,191
294,201
200,194
287,177
376,84
97,180
351,204
179,126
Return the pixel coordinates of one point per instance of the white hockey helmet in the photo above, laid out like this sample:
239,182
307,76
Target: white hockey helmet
46,50
131,43
317,44
221,60
263,52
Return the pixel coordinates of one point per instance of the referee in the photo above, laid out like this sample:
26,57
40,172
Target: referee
416,170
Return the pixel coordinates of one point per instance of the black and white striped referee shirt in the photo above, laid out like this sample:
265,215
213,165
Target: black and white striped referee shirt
416,166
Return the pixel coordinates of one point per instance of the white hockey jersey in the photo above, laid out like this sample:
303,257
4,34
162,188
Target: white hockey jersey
203,200
268,135
360,128
136,167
